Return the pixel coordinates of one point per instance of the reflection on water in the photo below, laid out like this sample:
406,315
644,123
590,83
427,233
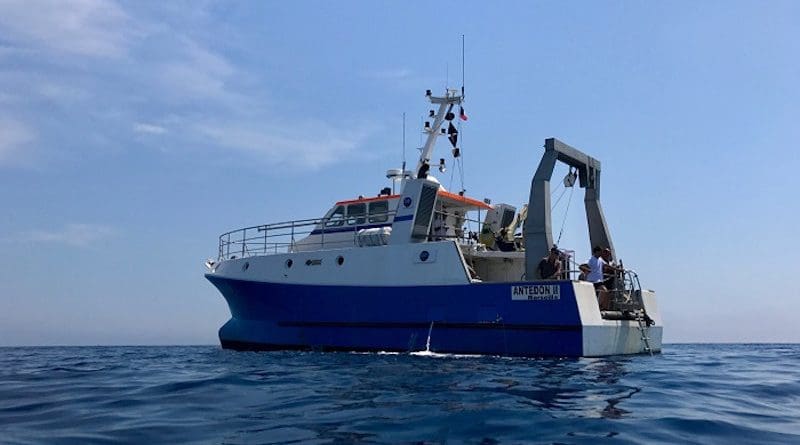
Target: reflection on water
589,387
706,393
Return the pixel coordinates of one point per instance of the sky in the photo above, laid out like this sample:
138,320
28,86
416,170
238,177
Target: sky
133,133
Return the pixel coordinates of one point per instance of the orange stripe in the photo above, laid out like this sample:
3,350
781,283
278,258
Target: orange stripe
464,200
448,195
377,198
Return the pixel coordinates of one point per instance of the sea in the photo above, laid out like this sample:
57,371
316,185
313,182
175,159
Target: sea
689,394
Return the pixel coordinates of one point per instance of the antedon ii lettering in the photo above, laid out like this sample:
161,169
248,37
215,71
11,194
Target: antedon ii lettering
536,292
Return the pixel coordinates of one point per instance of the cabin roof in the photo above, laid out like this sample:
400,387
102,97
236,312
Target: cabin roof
449,198
374,198
463,201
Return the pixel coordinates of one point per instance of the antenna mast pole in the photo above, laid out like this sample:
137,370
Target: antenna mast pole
446,103
404,143
462,66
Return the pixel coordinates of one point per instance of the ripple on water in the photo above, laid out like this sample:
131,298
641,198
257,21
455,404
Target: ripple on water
689,394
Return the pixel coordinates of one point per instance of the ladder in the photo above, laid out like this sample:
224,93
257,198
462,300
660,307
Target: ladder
643,325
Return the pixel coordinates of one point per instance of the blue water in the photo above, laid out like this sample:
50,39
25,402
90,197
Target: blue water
689,394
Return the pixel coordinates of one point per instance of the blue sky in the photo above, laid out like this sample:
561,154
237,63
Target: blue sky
133,133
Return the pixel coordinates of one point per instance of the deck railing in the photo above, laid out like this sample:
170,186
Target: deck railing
283,237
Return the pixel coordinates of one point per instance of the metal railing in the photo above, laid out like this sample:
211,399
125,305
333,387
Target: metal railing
285,237
626,292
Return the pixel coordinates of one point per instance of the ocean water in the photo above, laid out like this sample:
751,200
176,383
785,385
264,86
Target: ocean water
705,394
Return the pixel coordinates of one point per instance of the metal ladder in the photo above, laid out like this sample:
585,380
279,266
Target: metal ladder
643,325
627,298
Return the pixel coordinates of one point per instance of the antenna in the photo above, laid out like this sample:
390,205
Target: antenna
403,169
404,142
462,66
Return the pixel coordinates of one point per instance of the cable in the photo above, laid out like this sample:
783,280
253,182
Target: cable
559,197
564,220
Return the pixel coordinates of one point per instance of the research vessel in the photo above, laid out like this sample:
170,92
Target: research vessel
417,267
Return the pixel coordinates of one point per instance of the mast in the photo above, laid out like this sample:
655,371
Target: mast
445,113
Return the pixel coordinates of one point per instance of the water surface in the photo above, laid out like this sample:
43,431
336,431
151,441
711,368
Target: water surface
202,394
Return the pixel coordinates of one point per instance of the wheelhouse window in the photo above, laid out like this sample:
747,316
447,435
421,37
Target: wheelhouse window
356,214
337,218
378,211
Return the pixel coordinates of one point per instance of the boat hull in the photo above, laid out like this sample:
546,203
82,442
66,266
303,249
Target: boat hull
553,318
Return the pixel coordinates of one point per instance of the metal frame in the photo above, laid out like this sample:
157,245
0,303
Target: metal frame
451,98
538,231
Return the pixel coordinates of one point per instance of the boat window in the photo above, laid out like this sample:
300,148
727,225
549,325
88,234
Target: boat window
378,211
337,218
356,213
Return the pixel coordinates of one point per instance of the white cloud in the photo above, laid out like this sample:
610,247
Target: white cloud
60,92
310,145
148,128
78,235
14,135
162,79
85,27
197,72
25,87
389,74
236,120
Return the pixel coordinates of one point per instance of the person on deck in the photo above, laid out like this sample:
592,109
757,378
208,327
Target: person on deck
585,269
610,269
550,266
596,269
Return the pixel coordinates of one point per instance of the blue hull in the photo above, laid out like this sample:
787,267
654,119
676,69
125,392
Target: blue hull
477,318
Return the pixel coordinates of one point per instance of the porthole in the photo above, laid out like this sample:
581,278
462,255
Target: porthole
340,260
424,255
245,266
289,263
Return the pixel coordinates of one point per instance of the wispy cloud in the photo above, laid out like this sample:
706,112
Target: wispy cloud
77,235
86,27
195,72
60,92
307,145
388,74
14,136
98,67
148,128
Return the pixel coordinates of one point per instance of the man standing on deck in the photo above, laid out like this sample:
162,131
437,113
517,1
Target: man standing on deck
596,268
550,266
610,269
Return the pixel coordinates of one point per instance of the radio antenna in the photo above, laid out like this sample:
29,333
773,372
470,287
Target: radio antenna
403,169
462,66
404,140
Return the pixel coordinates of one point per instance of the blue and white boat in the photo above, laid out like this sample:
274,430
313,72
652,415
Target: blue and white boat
404,272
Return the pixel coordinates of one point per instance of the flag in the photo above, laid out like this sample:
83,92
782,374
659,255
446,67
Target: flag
452,134
462,114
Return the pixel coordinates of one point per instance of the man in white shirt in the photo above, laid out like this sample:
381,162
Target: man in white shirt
596,269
